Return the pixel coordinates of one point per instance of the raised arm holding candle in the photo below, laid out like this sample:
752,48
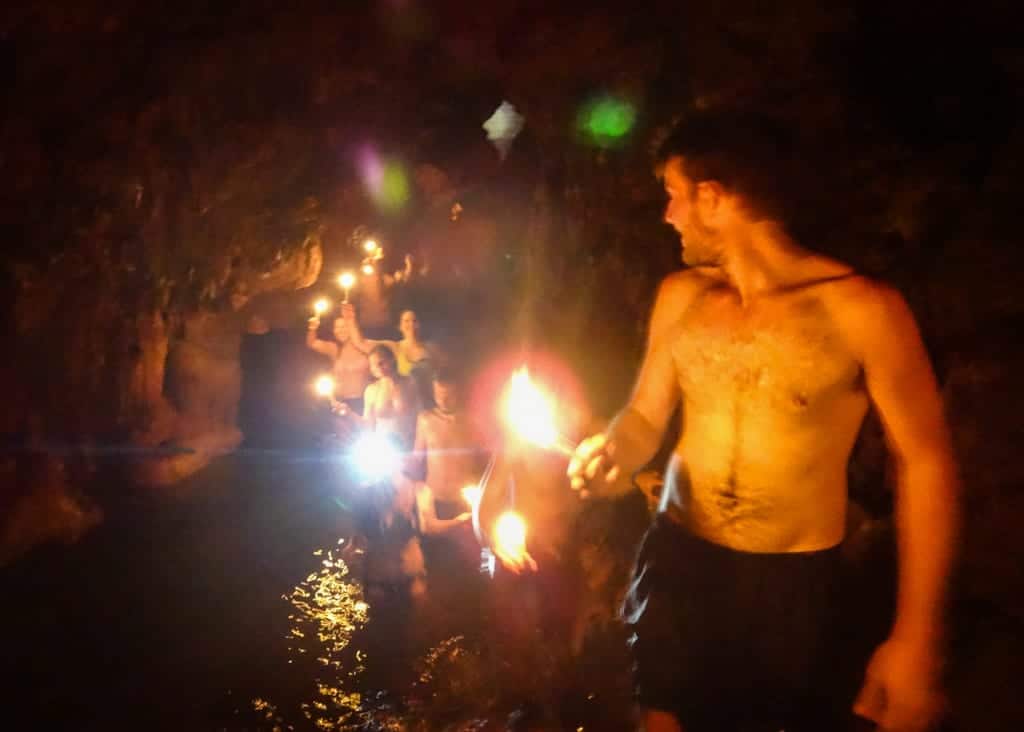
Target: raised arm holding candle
350,363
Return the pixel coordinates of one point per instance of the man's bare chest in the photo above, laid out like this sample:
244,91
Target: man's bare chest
789,358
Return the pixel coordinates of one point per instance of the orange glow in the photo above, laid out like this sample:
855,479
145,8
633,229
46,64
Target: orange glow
324,386
321,306
529,412
367,269
510,535
472,494
370,246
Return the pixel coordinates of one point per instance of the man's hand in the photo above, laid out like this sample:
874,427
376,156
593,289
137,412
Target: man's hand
900,692
340,408
515,563
314,322
464,517
594,460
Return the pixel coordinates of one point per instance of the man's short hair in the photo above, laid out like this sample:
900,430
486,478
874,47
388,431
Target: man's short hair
749,154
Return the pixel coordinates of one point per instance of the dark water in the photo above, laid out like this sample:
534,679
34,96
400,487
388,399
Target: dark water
229,607
170,615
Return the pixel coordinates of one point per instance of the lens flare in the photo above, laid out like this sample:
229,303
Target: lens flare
510,535
375,456
606,121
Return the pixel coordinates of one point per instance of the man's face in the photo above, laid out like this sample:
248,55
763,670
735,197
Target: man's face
380,367
409,324
700,245
340,330
446,397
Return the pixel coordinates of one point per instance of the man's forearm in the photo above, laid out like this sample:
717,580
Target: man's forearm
635,442
928,523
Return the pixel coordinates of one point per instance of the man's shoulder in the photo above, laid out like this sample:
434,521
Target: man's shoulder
846,287
683,285
863,306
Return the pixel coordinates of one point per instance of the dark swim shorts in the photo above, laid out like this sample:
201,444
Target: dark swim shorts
728,640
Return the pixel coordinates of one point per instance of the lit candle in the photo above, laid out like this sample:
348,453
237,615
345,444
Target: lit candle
530,414
367,269
370,246
321,306
324,386
346,280
510,536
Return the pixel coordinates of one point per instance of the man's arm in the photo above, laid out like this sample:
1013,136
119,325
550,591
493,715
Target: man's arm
636,432
348,311
902,386
327,348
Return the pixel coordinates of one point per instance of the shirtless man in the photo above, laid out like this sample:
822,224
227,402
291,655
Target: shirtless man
775,354
351,365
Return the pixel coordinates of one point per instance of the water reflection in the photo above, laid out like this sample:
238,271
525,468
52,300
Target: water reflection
329,610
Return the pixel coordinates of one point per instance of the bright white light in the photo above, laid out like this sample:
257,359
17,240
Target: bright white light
324,386
321,306
471,494
367,269
375,456
370,246
346,279
503,126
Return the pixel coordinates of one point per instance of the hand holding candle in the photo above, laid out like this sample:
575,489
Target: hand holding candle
510,542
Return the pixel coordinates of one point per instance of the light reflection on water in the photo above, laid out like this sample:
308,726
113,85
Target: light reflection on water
328,610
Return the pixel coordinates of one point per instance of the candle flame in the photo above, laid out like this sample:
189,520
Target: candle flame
321,306
510,535
346,279
367,269
324,386
529,411
370,246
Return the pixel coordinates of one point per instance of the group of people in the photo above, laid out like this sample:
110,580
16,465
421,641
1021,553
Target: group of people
774,355
405,391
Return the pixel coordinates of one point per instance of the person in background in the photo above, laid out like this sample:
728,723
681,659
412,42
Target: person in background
415,357
349,358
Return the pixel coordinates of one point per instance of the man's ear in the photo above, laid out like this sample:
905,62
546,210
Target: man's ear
710,196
